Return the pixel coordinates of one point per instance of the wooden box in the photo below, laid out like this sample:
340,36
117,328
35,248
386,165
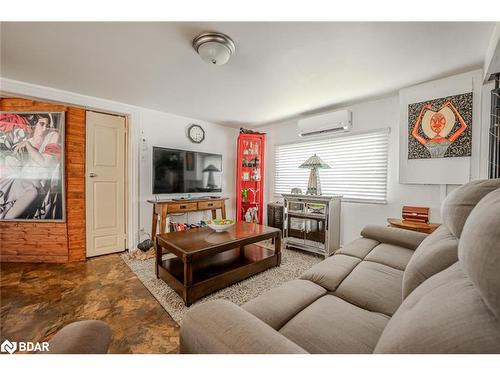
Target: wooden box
416,214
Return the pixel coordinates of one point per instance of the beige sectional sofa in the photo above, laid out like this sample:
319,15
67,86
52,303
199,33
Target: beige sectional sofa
390,291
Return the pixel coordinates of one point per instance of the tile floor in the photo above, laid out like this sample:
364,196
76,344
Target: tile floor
39,299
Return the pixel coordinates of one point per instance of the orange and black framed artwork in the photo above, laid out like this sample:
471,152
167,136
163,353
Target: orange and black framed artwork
440,128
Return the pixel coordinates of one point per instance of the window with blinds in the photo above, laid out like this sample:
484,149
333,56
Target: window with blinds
358,166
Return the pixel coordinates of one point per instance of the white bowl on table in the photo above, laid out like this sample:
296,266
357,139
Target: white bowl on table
220,225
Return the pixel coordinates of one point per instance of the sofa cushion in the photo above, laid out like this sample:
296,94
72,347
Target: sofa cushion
445,314
390,255
332,271
436,253
479,249
278,305
332,325
456,310
460,202
221,327
358,248
373,286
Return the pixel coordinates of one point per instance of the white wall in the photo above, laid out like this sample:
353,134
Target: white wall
376,114
167,130
158,128
441,170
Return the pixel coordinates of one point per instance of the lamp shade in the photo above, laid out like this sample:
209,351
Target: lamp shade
314,162
211,168
214,53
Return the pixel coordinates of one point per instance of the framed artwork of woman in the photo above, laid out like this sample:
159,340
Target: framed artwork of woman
32,166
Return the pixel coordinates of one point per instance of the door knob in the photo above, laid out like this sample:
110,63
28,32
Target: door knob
92,174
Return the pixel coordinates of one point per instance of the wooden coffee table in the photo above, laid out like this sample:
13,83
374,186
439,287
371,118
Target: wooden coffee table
206,261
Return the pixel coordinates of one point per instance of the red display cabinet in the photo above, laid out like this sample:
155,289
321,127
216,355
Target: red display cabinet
250,177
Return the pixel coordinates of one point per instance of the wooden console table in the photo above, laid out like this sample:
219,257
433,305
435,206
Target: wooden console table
162,208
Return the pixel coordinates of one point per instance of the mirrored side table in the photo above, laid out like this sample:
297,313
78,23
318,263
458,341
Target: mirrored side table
312,222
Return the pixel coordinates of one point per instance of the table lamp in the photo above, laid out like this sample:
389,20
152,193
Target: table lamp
211,180
314,163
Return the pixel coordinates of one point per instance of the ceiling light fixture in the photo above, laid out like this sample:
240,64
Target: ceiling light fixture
214,48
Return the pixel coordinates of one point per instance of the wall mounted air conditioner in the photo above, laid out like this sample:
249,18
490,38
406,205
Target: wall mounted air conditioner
325,123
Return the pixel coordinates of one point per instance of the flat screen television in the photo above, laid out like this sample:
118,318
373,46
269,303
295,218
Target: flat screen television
181,171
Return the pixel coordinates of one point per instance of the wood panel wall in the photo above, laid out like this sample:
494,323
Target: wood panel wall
52,242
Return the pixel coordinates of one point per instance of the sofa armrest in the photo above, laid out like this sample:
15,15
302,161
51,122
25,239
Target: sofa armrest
224,328
395,236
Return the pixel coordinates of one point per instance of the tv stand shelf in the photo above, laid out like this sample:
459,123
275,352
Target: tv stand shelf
161,208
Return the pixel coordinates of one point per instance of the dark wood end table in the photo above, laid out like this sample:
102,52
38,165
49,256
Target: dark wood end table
413,225
206,261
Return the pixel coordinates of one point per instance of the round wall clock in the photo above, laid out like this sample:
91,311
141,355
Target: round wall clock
196,133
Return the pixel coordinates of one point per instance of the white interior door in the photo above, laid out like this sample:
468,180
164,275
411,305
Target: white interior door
105,184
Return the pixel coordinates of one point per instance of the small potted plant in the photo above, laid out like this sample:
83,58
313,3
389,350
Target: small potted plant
244,194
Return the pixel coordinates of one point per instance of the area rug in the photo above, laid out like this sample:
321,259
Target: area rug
293,264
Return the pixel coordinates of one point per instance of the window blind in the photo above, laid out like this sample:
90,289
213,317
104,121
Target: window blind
358,166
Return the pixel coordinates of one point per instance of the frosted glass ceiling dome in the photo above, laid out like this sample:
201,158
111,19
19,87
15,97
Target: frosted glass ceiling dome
214,48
